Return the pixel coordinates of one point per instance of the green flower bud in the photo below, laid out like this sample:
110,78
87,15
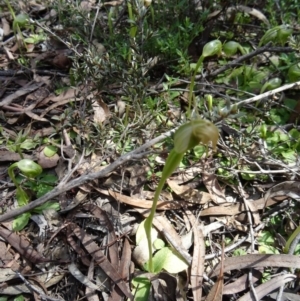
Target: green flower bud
294,73
209,101
234,109
283,34
29,168
277,35
230,48
263,131
192,133
21,20
212,48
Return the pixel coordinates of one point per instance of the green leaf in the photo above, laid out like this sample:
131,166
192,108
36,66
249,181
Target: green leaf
289,154
50,151
158,244
42,189
266,237
48,178
47,205
239,252
248,176
297,250
28,144
22,197
19,298
29,40
169,260
142,288
199,151
21,221
264,249
294,73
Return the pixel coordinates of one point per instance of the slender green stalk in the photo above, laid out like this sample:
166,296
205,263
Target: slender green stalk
192,85
172,162
290,240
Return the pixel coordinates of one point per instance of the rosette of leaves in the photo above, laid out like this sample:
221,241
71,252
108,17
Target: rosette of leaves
30,171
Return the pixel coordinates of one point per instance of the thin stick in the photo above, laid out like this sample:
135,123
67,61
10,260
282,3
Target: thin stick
269,93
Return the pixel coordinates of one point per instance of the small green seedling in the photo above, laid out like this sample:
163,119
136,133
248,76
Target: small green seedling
31,171
186,138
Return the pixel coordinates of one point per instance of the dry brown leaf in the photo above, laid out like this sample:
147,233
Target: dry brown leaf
255,214
289,189
224,209
69,94
101,111
22,246
5,27
241,283
141,203
45,132
269,286
113,3
75,272
163,225
258,260
212,185
121,106
216,292
47,162
100,259
242,8
36,117
91,294
125,260
197,268
189,194
31,86
9,156
101,215
87,5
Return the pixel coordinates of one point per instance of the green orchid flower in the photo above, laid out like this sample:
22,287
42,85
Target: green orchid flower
186,138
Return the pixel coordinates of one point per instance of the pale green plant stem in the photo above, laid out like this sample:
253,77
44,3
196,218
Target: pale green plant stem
133,29
290,240
172,162
192,85
110,25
